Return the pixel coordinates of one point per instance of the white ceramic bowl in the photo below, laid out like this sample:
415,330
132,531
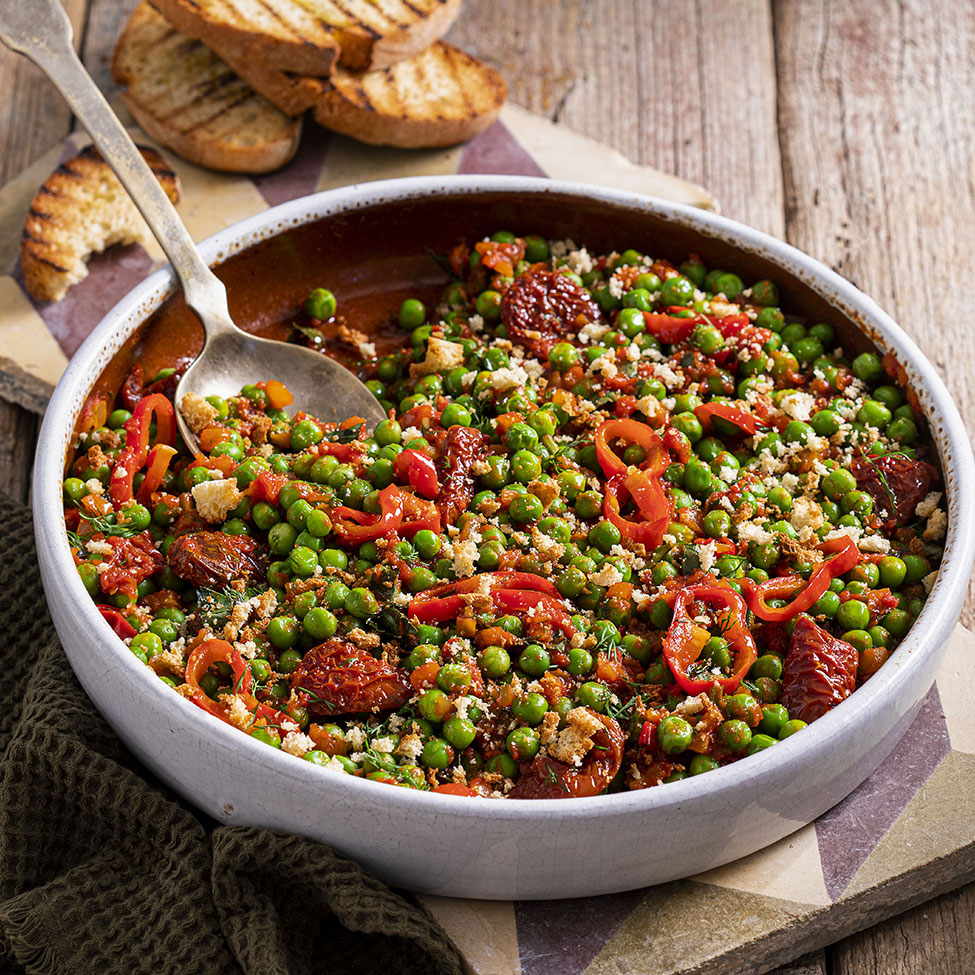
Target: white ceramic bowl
510,849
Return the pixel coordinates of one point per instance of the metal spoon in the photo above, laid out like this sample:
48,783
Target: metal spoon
231,358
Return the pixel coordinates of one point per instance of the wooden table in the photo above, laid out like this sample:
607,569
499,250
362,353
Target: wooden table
844,128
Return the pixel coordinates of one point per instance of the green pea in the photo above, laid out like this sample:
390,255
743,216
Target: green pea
790,728
320,623
735,735
827,605
525,466
535,660
523,744
459,732
495,661
321,304
674,734
765,293
333,558
868,367
303,561
536,249
689,425
604,536
361,603
525,508
677,290
530,709
903,429
437,753
700,764
826,422
283,631
412,314
594,695
837,483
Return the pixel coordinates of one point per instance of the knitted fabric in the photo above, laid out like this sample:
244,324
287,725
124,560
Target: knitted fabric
104,870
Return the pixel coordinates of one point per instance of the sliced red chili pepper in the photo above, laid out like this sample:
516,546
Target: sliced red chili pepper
137,435
420,470
518,601
266,487
454,789
358,527
669,328
201,659
846,557
157,464
656,460
417,515
744,419
117,622
651,500
685,639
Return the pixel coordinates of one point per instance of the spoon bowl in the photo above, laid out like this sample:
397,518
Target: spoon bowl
320,385
230,357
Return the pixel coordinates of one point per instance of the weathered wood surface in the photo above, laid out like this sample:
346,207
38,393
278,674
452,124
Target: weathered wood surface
844,127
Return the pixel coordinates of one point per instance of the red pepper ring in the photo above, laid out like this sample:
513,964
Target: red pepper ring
685,639
439,609
651,500
157,463
356,526
846,557
505,579
745,420
420,470
117,622
136,452
201,659
656,460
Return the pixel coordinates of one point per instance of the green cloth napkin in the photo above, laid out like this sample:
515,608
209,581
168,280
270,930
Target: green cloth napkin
104,870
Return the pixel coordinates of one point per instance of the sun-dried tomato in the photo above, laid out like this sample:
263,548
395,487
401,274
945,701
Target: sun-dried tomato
132,561
131,391
338,677
462,448
895,482
820,671
548,778
205,558
542,306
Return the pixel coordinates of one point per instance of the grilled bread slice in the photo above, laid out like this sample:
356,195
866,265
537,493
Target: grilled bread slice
436,98
306,36
186,98
80,210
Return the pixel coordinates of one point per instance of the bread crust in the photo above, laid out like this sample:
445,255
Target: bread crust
186,98
81,209
312,36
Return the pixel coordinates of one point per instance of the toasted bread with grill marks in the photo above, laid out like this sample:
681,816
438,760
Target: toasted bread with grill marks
80,210
185,97
306,36
437,98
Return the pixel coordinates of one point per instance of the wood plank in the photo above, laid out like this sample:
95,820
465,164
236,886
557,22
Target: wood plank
106,18
18,433
651,79
876,129
935,937
811,964
33,116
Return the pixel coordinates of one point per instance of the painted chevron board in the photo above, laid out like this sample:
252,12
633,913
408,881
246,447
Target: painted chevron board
37,339
904,836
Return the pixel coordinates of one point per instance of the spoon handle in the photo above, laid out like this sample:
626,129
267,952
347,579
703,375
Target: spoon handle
41,30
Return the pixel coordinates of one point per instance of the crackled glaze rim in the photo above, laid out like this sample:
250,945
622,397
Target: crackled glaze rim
762,770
